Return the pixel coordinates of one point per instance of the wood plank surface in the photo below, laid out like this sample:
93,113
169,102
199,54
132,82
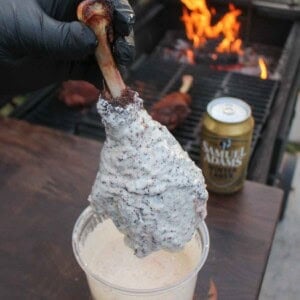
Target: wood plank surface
45,178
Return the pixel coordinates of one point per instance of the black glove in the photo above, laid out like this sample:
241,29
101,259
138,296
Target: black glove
40,43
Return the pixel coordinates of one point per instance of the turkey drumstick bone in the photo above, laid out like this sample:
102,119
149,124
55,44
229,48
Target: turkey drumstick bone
145,179
97,14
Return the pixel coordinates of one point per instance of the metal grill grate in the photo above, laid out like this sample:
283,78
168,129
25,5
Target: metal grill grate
153,78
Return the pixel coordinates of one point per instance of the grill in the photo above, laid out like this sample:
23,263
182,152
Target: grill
272,101
208,84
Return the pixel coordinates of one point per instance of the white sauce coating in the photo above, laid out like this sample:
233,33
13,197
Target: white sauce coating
146,183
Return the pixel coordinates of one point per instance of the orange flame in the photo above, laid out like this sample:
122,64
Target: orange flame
263,68
198,26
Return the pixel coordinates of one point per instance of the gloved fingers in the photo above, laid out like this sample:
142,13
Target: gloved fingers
124,17
74,40
30,32
68,41
62,10
124,50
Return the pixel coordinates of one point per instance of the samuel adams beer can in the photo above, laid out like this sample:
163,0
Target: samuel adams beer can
225,144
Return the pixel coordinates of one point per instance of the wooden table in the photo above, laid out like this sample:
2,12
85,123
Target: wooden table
45,178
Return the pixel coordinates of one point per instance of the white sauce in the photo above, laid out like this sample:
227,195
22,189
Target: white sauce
105,255
147,184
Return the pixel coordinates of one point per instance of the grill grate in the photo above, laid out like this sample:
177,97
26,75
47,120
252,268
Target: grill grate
153,78
208,84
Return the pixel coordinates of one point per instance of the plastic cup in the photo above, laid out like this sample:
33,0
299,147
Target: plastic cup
104,290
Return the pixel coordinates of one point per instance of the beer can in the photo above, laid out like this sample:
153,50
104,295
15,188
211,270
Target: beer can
226,136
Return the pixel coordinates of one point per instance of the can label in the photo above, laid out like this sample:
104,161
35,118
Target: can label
226,144
223,161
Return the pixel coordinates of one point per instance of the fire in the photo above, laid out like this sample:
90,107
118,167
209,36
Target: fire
263,68
197,19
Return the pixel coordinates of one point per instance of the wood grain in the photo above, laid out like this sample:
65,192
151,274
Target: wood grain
45,178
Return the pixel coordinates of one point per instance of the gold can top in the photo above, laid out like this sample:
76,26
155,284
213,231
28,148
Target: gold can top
229,110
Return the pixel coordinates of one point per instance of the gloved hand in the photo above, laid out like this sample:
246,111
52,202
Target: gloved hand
41,43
